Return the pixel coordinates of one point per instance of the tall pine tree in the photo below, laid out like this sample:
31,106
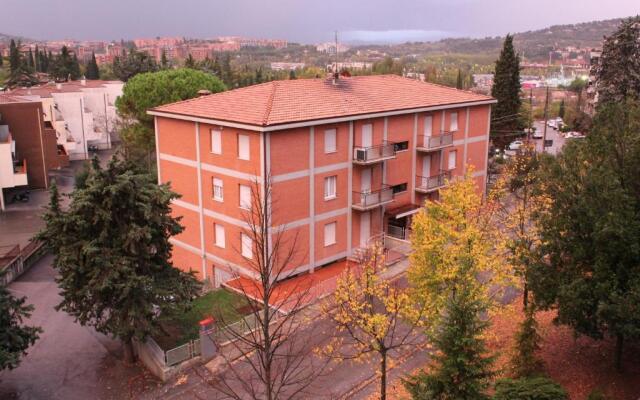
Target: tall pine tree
112,252
505,116
15,337
617,74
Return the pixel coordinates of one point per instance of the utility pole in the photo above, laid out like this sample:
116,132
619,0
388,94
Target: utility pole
530,114
546,118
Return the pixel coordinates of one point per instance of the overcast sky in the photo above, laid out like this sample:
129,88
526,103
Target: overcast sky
307,21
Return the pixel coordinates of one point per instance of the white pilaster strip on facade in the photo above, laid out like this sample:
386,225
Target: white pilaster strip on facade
385,136
155,132
442,150
305,172
267,173
350,187
466,141
200,203
414,157
312,204
486,153
209,167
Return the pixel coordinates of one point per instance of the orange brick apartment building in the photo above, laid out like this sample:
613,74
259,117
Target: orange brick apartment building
348,159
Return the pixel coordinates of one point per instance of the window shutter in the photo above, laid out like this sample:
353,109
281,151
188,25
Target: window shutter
452,159
330,141
246,246
245,197
330,234
243,147
219,235
216,141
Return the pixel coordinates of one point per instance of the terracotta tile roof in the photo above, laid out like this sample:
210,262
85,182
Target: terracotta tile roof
287,101
47,89
9,98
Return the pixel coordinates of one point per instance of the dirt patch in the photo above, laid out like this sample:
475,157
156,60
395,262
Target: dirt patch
581,365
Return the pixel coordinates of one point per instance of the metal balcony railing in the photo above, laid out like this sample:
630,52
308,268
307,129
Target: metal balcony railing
367,200
428,184
373,154
429,143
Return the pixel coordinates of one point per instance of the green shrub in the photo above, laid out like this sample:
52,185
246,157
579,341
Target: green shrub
537,388
597,395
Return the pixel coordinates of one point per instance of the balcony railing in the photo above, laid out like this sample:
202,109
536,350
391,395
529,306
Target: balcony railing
430,143
426,184
371,199
373,154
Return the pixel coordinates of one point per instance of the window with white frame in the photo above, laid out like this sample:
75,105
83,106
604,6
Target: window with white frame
330,234
453,125
219,235
246,246
330,187
428,125
453,155
218,189
216,141
330,141
245,197
243,147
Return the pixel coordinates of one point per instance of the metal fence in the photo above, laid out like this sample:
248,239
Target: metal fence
15,261
182,353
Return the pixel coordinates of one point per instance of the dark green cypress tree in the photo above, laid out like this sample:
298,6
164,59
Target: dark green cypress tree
164,62
36,60
93,72
505,116
292,74
75,68
459,83
14,56
461,367
561,109
190,62
30,61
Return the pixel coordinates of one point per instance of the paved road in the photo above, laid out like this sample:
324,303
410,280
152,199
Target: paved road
342,380
69,361
552,134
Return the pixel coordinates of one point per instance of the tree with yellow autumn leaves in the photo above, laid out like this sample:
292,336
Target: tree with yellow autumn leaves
373,316
456,274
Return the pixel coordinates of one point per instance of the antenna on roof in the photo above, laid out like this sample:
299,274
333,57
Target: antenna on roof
336,73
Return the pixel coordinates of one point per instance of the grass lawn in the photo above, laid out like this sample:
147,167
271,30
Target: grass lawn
222,304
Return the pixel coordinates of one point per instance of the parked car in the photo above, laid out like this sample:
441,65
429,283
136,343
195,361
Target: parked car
538,134
515,145
574,135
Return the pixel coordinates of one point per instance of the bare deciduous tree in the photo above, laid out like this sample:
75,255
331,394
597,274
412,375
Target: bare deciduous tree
275,359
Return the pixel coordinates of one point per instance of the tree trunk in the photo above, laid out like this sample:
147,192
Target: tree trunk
129,356
383,376
619,346
525,297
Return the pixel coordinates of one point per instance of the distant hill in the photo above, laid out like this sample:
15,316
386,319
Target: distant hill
536,44
4,38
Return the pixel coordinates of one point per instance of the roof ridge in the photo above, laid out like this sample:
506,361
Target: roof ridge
267,111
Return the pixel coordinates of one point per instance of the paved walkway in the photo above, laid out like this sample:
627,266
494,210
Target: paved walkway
69,361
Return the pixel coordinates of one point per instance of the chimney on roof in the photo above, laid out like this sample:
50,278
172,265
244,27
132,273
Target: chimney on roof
59,85
203,92
83,81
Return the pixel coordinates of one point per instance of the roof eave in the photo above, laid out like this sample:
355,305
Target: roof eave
319,121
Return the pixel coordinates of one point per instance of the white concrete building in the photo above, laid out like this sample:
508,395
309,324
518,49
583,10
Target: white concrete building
83,113
12,172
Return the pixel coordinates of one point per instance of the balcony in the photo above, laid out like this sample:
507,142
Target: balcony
374,154
363,201
20,173
433,143
428,184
